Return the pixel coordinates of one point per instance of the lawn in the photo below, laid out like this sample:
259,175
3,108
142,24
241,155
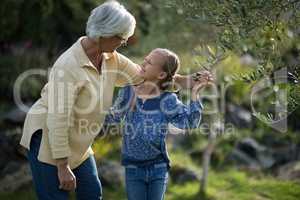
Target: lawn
229,184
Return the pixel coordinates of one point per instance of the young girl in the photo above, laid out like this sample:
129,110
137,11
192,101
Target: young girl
146,110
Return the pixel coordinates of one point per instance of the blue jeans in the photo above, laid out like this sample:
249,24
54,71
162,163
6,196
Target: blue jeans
146,183
46,181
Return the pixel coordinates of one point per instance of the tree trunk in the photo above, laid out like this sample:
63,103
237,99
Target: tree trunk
206,163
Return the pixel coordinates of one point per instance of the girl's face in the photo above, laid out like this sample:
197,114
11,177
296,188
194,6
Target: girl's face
152,67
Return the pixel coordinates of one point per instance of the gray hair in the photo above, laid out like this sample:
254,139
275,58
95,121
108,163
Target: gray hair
110,19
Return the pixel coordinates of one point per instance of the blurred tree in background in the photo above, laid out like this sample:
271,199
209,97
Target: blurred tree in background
267,34
257,39
51,23
33,34
266,31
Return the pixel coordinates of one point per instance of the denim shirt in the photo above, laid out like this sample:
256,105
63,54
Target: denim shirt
145,127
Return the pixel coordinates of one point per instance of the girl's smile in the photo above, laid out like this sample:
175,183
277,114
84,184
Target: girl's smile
151,68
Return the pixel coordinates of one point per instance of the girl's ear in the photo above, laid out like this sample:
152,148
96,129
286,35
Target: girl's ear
162,75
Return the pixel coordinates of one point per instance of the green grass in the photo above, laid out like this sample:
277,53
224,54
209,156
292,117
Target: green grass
245,187
28,194
236,185
227,185
24,195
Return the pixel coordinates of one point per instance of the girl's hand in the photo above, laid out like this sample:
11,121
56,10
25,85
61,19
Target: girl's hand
204,80
189,81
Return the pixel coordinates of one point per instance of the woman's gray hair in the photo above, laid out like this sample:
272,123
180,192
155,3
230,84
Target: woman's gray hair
110,19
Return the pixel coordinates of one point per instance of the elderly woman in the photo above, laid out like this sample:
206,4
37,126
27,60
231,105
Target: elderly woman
60,127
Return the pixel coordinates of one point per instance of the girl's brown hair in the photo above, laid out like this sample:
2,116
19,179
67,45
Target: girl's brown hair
171,66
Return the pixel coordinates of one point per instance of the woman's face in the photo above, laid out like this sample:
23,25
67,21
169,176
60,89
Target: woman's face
152,67
110,44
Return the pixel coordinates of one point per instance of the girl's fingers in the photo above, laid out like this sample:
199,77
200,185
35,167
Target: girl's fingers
202,74
202,84
204,79
199,86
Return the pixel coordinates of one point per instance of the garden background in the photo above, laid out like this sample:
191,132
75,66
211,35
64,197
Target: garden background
250,148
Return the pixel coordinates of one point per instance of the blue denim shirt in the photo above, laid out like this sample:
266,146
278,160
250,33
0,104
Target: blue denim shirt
145,127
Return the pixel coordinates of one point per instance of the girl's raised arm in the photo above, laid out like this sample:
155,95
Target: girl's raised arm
180,115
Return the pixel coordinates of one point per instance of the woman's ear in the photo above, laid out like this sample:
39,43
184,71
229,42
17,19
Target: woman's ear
162,75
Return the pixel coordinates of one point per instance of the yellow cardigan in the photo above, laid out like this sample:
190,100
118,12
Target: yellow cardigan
74,102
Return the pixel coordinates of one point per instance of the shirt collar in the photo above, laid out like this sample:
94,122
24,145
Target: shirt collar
81,56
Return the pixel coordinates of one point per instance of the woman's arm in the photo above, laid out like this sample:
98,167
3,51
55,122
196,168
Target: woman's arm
129,74
184,81
63,89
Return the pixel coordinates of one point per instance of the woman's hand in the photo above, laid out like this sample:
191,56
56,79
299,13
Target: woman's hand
204,79
67,180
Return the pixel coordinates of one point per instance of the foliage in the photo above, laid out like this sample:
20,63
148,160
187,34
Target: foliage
35,32
51,23
266,31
